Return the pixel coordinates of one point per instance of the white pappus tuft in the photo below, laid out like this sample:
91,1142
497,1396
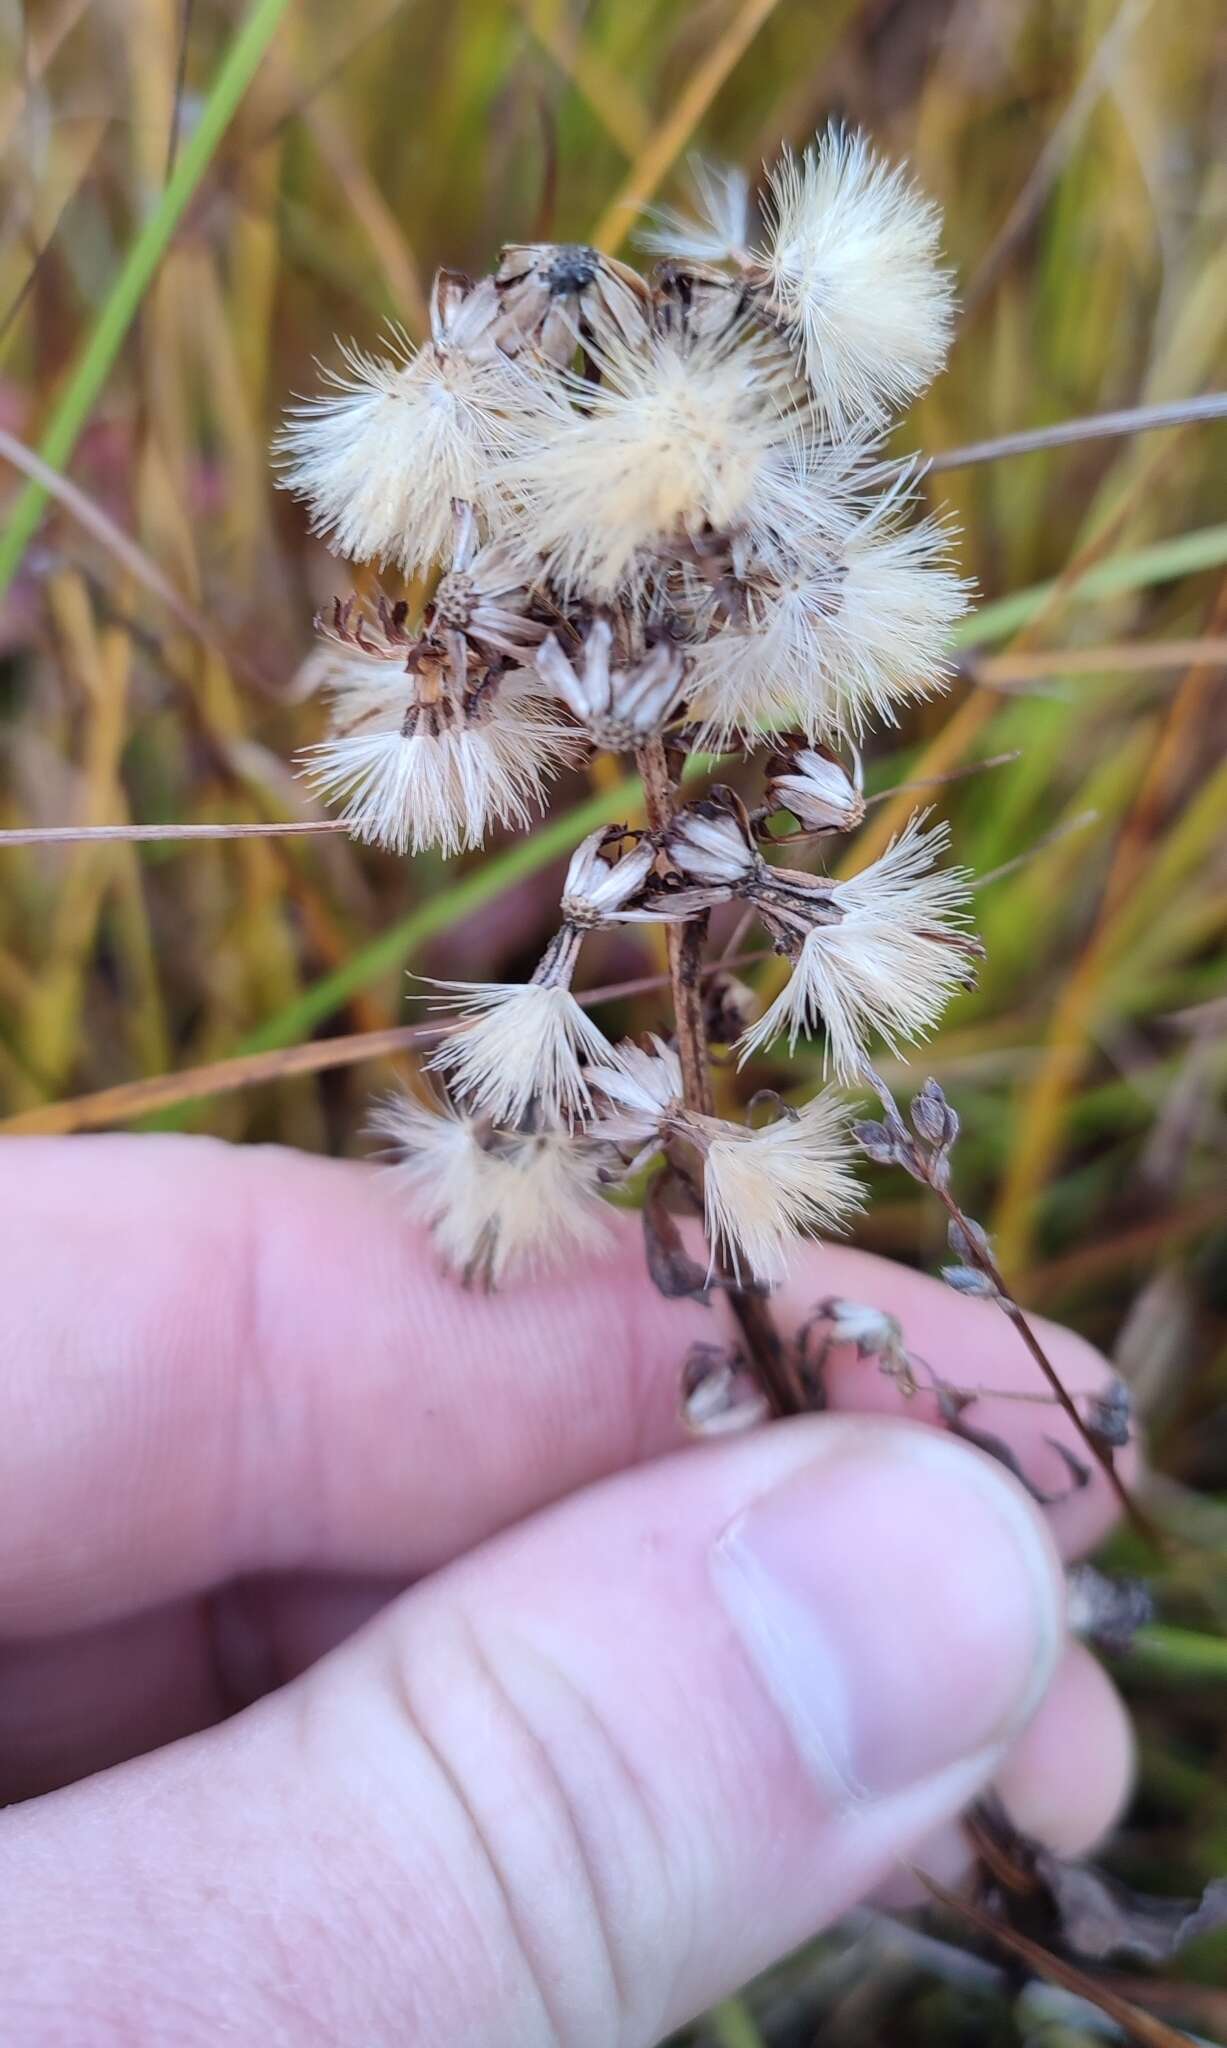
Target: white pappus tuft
381,457
761,1187
720,232
523,1048
850,270
498,1203
415,767
840,638
674,439
888,962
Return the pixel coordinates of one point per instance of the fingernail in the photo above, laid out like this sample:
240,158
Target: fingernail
901,1602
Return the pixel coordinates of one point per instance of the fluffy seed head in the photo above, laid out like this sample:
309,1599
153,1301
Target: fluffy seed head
523,1050
381,456
839,640
889,965
498,1203
763,1186
851,270
672,440
411,774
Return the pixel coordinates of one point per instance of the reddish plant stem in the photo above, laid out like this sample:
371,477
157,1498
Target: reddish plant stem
768,1355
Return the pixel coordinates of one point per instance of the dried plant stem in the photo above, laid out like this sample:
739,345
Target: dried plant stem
984,1260
766,1350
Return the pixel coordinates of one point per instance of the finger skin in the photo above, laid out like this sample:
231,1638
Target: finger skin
215,1361
80,1702
1065,1782
559,1796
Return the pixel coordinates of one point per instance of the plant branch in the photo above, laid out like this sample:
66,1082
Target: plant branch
768,1354
983,1259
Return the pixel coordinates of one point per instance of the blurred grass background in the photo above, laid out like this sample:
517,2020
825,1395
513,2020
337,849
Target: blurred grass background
155,627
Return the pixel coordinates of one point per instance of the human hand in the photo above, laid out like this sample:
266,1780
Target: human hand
605,1758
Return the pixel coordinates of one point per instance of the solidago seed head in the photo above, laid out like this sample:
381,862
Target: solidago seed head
382,455
762,1187
500,1203
674,439
522,1048
414,768
890,950
850,270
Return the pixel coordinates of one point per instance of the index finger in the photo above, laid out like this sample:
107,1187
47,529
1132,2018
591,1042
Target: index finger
219,1360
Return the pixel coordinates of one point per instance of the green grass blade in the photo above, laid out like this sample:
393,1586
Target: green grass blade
1179,1654
1184,555
122,303
449,903
733,2025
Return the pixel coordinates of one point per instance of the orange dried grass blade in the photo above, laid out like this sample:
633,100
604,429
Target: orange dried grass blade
1137,2026
130,1100
668,140
156,835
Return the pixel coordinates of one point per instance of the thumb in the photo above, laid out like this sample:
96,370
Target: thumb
576,1787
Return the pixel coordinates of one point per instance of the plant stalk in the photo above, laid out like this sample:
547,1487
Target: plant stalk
766,1351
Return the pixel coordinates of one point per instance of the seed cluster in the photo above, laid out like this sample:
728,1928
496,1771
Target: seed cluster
659,520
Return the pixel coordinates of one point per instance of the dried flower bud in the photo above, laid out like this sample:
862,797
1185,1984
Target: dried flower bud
719,1396
969,1241
618,707
1109,1416
880,1143
497,1201
711,845
971,1281
874,1333
600,887
814,785
1104,1610
933,1119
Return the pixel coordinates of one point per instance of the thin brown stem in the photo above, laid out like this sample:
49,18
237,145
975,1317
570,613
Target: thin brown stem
984,1260
769,1356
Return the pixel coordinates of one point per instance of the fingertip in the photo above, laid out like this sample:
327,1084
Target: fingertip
1068,1778
1065,1782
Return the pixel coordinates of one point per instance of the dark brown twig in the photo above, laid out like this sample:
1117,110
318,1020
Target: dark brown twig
768,1354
